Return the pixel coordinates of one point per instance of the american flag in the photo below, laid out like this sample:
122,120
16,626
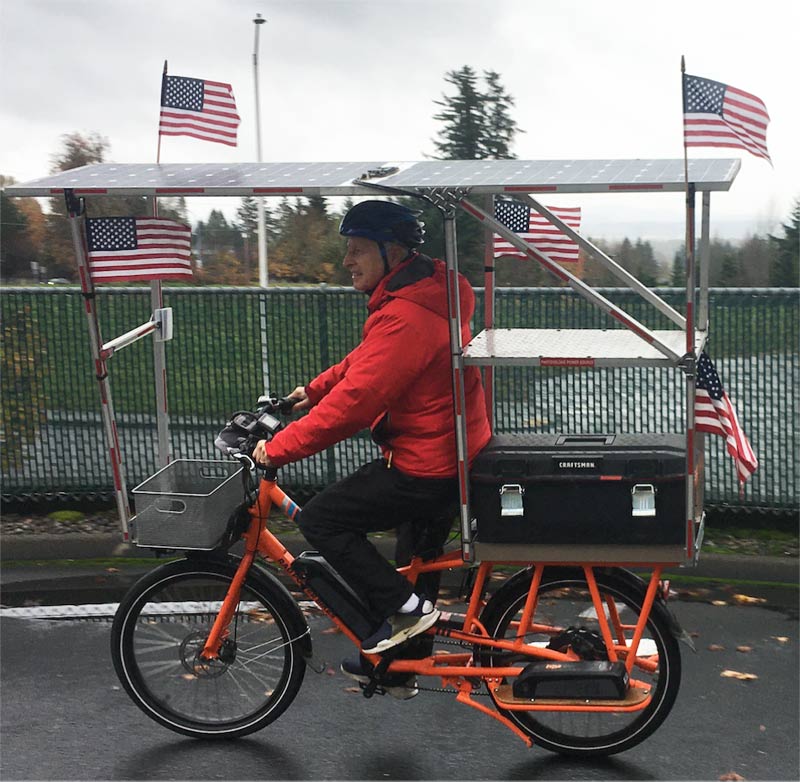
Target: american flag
198,108
536,230
717,115
138,248
715,413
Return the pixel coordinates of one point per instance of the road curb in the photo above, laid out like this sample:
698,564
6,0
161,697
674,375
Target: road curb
48,547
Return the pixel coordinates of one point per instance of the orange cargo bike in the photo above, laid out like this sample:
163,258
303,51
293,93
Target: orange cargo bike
579,657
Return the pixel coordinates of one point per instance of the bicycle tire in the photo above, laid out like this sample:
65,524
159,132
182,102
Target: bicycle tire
161,625
563,601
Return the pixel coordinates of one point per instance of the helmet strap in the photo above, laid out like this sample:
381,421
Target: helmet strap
382,248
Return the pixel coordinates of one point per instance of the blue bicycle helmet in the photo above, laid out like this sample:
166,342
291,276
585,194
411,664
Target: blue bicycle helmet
384,221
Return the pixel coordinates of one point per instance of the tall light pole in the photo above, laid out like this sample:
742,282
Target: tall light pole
263,278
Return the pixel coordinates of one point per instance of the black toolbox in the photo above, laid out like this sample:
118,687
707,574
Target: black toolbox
609,490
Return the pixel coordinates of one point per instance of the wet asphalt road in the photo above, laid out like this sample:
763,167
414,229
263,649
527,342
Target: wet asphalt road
64,715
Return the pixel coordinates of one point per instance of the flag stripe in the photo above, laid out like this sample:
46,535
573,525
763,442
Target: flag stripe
718,115
543,236
715,414
210,118
138,248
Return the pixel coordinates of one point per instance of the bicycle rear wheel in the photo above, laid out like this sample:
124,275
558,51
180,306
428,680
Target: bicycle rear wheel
564,604
160,629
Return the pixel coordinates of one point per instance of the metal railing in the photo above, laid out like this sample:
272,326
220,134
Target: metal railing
218,363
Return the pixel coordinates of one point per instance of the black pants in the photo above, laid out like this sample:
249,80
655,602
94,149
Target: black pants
376,498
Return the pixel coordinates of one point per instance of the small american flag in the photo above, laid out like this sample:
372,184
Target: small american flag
536,230
134,249
198,108
715,413
717,115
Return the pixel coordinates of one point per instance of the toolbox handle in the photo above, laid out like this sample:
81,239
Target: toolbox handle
585,439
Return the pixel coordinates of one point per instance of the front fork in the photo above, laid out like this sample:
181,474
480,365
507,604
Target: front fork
220,630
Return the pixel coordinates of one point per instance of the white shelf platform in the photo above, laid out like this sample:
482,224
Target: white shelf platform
573,348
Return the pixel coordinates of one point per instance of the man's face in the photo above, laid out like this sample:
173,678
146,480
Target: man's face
363,260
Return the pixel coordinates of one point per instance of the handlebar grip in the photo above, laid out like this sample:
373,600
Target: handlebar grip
285,404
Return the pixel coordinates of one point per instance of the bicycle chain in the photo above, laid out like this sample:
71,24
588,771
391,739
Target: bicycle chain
446,690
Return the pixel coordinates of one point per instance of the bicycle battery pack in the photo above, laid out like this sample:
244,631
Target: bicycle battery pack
579,680
314,572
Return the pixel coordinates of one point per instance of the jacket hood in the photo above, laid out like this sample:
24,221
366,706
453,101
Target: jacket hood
423,281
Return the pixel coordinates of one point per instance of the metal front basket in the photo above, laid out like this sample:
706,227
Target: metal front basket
187,505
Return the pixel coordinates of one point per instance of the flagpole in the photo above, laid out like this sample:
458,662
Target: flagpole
159,349
263,276
161,103
690,360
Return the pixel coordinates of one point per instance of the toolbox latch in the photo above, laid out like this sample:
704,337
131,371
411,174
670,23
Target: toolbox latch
511,500
643,496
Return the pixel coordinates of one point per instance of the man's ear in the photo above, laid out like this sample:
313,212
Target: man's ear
396,252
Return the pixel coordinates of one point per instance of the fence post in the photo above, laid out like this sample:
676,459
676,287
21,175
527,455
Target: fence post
325,362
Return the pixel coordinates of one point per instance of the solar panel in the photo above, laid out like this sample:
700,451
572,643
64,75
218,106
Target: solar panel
344,178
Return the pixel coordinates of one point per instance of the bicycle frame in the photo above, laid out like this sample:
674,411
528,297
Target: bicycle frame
459,670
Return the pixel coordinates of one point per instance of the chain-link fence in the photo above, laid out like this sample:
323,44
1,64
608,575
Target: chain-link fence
232,343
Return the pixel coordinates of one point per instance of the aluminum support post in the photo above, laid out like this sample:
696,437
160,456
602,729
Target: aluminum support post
705,263
76,224
447,208
689,365
160,379
577,285
488,309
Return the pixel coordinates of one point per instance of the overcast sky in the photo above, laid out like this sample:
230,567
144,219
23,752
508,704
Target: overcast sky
356,80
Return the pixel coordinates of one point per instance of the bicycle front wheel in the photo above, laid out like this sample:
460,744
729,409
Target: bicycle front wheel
161,627
565,611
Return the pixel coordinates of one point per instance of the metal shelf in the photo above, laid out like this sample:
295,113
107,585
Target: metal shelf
574,348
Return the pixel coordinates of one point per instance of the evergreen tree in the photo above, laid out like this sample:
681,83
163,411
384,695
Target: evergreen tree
785,266
500,128
678,278
477,125
646,265
729,271
464,118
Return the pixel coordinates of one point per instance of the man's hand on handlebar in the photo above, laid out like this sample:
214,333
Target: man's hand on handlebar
300,397
260,454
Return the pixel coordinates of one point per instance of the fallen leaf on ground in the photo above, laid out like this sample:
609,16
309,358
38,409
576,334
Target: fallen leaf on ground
719,603
332,630
781,639
352,689
744,648
728,674
112,570
747,600
731,776
716,648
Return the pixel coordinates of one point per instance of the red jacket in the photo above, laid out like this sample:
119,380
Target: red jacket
400,377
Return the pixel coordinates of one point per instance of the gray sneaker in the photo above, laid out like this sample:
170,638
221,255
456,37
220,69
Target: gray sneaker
397,685
401,627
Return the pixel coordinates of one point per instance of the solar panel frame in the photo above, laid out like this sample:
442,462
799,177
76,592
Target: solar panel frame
342,178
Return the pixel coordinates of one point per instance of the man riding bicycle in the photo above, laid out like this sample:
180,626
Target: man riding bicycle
398,383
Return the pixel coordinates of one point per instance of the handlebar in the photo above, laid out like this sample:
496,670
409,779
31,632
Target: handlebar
245,428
